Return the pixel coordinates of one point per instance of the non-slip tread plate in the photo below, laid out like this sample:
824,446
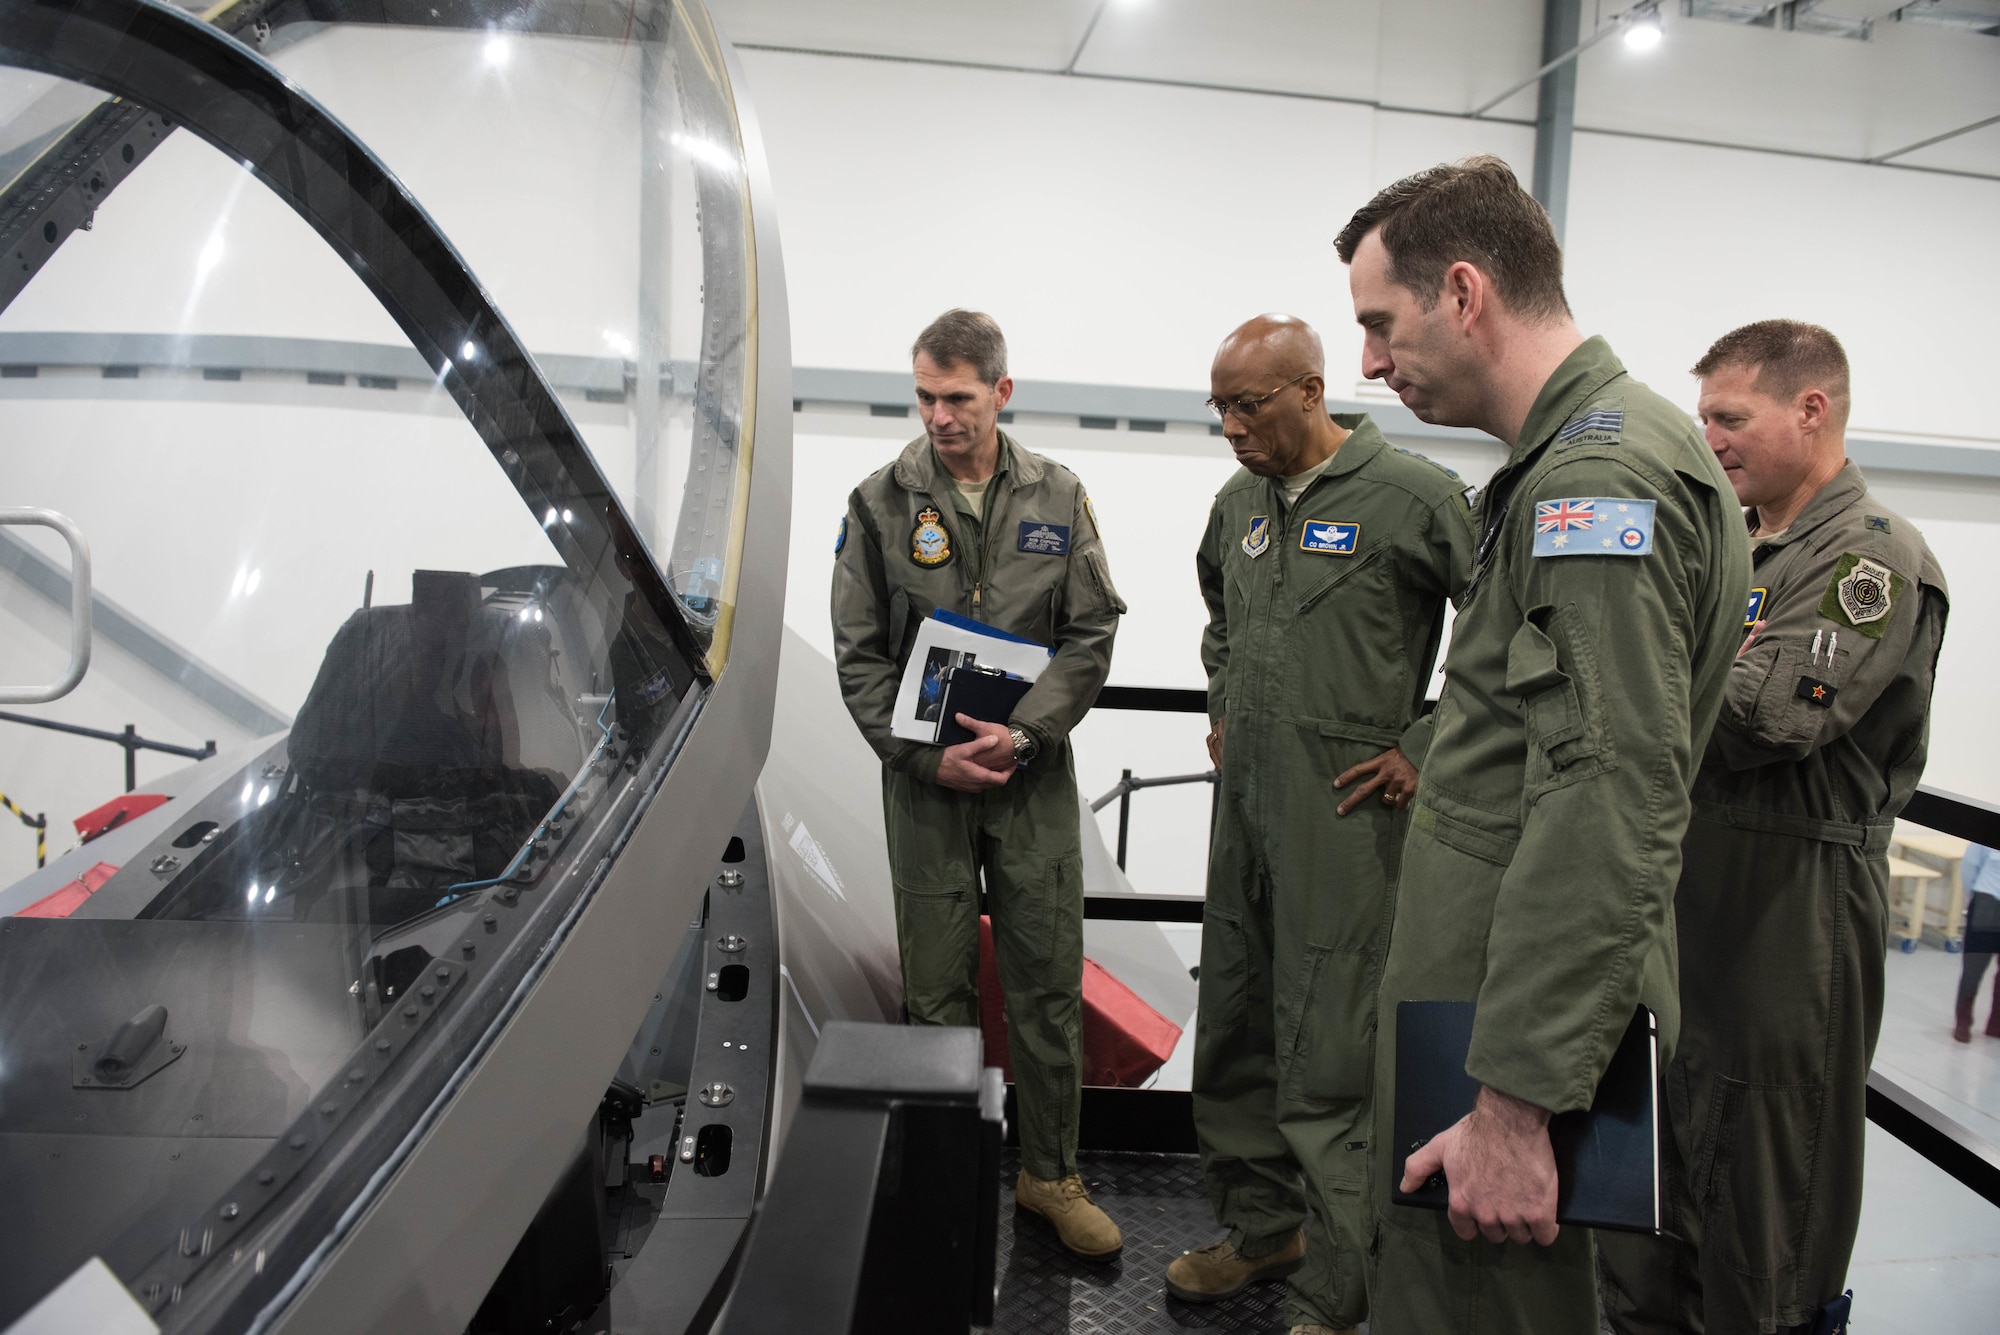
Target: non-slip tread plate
1160,1204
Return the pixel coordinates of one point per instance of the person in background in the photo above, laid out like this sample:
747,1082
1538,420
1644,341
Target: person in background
1586,667
1326,565
968,521
1783,904
1979,873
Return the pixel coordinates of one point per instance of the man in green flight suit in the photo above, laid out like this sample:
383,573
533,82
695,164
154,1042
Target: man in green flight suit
1586,668
967,521
1325,566
1783,905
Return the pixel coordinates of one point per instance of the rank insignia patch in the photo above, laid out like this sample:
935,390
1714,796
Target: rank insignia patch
1594,526
1258,540
1877,523
930,542
1861,595
1609,421
1816,691
840,538
1044,539
1331,538
1756,609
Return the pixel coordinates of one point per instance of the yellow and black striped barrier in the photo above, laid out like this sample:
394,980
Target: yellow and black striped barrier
39,824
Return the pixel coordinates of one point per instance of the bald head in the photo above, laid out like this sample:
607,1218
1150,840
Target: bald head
1275,346
1270,375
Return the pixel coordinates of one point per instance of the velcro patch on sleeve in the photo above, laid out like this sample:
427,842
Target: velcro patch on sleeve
1044,539
1861,594
1815,691
1594,526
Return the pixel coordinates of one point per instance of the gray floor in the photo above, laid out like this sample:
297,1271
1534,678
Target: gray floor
1927,1261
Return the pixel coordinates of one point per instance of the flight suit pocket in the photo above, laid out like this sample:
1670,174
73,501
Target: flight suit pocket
1344,570
899,620
1100,583
1329,1035
938,932
1785,711
1754,1180
1559,696
1223,995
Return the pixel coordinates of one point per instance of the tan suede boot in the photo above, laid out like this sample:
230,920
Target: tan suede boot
1081,1226
1217,1272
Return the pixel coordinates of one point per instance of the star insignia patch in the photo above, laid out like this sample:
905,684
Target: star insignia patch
1815,691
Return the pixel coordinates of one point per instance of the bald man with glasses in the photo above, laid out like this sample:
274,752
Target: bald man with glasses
1326,565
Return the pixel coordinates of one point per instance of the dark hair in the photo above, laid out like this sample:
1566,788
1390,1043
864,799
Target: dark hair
965,336
1475,211
1788,356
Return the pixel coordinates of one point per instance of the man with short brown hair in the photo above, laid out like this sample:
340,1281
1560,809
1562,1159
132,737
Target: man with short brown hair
1586,667
1783,903
968,521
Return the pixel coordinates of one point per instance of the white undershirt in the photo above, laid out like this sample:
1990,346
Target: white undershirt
1295,485
974,493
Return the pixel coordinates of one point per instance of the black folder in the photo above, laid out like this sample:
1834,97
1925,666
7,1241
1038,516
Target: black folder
980,693
1607,1156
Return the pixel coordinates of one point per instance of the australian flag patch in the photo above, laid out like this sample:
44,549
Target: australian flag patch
1044,539
1608,420
1594,526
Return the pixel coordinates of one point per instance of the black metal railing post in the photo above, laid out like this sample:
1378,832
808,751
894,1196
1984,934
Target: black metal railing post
130,740
1124,814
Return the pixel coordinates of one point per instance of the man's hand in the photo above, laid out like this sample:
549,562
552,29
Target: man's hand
1751,638
1215,743
982,763
1501,1171
1391,771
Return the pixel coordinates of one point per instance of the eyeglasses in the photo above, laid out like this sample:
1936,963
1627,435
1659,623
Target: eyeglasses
1247,408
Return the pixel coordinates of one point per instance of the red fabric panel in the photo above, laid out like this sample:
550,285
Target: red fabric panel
1124,1039
124,807
61,903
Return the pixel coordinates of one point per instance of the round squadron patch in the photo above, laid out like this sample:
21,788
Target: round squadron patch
930,541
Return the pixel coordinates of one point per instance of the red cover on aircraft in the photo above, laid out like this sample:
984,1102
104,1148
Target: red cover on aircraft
124,807
61,903
1124,1039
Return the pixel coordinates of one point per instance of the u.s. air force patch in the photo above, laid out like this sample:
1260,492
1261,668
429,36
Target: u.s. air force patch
1330,538
1258,540
930,541
1861,594
1594,526
840,538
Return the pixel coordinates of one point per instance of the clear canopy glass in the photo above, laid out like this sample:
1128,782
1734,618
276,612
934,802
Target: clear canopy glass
413,477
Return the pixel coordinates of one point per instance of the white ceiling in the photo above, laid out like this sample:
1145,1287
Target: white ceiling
1708,81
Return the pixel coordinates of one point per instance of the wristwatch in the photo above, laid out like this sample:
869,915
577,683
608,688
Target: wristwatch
1024,745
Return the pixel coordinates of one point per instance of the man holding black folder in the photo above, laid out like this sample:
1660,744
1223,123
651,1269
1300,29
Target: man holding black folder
1326,565
968,522
1586,667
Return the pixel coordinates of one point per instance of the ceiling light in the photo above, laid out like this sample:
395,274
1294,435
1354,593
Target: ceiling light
1644,33
497,51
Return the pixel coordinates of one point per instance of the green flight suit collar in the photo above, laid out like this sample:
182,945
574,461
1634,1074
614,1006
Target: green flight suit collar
1581,376
918,469
1844,489
1364,442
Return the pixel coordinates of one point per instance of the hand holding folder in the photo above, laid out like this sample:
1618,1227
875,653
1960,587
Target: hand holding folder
1607,1157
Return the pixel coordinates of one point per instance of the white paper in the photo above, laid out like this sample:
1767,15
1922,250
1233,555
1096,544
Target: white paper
941,646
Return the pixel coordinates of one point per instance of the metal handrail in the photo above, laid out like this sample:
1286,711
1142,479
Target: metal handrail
79,606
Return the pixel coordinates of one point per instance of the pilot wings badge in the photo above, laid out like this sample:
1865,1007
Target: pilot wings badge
1258,540
930,541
